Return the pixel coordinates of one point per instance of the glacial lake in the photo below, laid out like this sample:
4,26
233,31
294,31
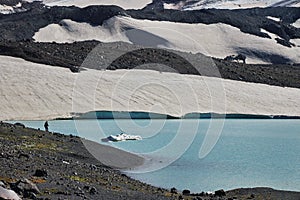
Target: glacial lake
248,152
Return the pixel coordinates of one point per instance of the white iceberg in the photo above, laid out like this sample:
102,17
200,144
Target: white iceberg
123,137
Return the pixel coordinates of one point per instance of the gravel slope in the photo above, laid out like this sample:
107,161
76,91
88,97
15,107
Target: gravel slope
68,170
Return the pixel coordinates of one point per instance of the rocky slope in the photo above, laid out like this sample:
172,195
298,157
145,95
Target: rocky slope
221,4
247,20
72,56
61,167
280,44
23,25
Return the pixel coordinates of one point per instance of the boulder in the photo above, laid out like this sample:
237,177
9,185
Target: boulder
93,191
25,187
174,190
8,194
75,69
19,125
186,192
40,173
220,193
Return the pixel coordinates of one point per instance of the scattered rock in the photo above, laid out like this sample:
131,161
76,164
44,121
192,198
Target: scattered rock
93,191
62,192
40,173
31,195
24,155
25,187
86,187
65,162
75,69
93,167
174,190
220,193
186,192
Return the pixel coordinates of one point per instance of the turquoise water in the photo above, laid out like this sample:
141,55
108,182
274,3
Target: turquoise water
249,153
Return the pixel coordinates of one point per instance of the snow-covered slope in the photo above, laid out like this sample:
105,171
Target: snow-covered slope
126,4
217,40
229,4
34,91
70,31
288,3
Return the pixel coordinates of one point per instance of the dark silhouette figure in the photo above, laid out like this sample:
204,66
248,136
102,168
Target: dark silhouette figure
46,125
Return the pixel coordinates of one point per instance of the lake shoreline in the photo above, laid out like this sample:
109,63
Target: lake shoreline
67,156
193,115
149,115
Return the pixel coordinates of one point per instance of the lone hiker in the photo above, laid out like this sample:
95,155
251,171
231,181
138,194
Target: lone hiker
46,125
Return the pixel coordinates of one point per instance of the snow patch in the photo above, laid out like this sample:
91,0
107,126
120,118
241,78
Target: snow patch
217,40
26,98
297,23
174,6
126,4
274,18
286,3
68,31
4,9
296,42
230,4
